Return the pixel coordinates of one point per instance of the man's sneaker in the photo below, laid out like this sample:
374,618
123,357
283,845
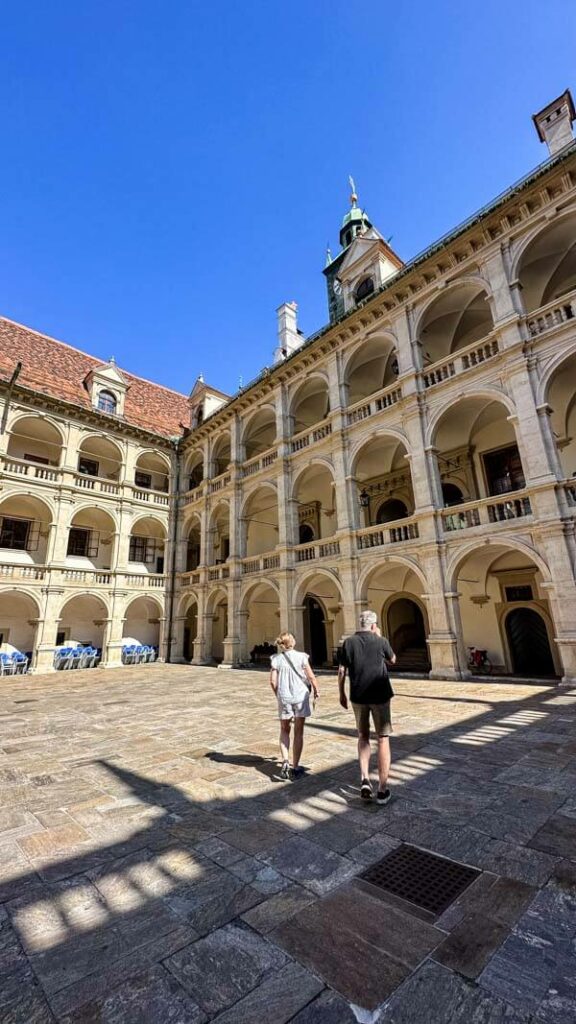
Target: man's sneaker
383,796
297,773
285,771
366,789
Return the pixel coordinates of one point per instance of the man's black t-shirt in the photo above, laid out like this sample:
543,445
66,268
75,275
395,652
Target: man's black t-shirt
364,655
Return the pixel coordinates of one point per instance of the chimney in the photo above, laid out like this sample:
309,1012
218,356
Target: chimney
289,337
554,123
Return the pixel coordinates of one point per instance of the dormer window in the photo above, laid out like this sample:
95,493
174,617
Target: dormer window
107,402
364,289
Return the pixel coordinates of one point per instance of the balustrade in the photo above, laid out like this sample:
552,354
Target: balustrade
320,549
391,533
381,400
553,315
219,482
515,505
460,362
308,437
96,483
260,462
22,572
33,470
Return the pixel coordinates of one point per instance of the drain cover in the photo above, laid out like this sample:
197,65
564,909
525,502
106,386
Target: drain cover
421,878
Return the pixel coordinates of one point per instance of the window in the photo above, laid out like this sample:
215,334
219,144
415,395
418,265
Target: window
518,593
82,542
15,533
107,402
305,534
88,466
504,471
365,288
36,458
142,549
143,479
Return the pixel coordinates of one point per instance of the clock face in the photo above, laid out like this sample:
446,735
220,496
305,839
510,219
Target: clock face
336,286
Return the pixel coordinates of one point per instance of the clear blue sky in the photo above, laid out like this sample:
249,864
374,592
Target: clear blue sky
171,172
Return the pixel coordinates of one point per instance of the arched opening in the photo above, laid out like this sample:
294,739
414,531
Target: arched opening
260,522
406,630
33,439
194,473
261,608
364,289
315,630
147,545
390,510
493,581
82,622
477,451
107,402
383,482
24,530
451,495
99,457
322,624
561,398
315,495
221,455
310,404
260,433
218,609
193,540
19,615
373,366
142,623
152,473
190,630
528,643
220,534
458,318
90,540
547,269
306,533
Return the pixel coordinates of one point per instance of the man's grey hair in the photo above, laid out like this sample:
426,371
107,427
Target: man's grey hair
367,620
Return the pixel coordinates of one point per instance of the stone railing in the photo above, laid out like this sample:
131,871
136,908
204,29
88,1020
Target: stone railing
320,549
96,483
260,462
190,579
86,577
194,494
32,470
143,580
218,572
218,483
308,437
29,573
515,505
552,315
460,361
377,402
150,496
388,533
570,492
260,563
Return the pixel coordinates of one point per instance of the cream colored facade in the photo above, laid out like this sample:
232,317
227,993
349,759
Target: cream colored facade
417,456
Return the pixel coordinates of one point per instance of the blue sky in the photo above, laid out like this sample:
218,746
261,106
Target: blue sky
171,172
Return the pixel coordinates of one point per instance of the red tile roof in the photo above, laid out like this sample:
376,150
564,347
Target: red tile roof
58,370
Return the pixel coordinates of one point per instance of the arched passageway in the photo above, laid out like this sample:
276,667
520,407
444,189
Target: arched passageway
190,630
260,621
458,318
18,622
383,482
528,643
315,496
371,368
260,433
404,624
561,400
90,539
547,269
259,525
321,624
35,439
82,620
310,404
315,639
217,626
142,622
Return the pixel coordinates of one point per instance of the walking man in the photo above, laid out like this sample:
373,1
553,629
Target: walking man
364,656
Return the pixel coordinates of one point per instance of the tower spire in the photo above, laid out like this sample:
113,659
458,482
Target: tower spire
353,193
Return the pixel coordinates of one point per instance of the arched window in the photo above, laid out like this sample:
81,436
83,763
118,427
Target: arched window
305,534
107,402
364,289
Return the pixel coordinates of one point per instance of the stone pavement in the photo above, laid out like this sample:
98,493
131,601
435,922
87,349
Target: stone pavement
152,869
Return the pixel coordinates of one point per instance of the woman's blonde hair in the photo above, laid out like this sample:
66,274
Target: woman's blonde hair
285,640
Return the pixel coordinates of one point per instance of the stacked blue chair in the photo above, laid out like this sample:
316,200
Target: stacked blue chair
88,657
129,654
7,665
20,662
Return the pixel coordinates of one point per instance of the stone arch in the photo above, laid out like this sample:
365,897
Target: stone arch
150,518
19,615
259,521
259,431
143,615
304,584
490,393
221,452
315,461
513,543
468,280
89,506
405,561
216,623
533,292
318,607
185,600
82,618
41,441
370,366
309,402
313,499
259,620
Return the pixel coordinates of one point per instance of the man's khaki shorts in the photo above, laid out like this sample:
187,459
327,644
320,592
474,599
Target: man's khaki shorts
380,717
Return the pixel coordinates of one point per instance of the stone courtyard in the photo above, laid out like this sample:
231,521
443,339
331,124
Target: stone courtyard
154,869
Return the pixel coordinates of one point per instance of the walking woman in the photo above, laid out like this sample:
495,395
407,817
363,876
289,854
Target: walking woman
292,681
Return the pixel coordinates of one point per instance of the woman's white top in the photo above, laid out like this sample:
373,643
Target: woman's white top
291,686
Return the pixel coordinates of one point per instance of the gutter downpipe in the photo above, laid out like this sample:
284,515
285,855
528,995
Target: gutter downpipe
176,442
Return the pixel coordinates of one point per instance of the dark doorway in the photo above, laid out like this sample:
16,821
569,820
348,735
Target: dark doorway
305,533
391,510
407,634
503,469
529,645
190,631
452,495
315,631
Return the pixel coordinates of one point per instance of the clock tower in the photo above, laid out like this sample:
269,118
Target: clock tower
354,223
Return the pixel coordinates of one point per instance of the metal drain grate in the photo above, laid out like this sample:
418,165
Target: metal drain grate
421,878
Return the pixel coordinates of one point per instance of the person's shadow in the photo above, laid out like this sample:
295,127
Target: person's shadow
267,766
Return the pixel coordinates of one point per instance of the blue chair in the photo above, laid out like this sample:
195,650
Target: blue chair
88,657
20,662
7,665
129,654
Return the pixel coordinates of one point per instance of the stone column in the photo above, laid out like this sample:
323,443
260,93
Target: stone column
232,639
445,641
561,593
201,654
47,627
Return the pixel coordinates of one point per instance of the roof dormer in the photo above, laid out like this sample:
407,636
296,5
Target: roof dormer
367,264
204,401
107,388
